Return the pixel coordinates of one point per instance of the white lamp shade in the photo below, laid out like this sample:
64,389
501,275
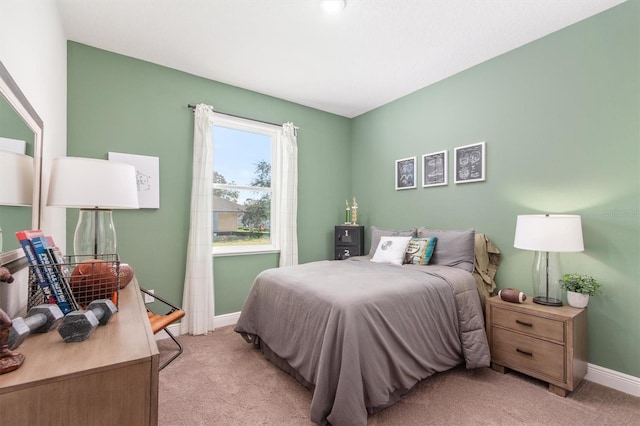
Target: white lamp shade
554,233
16,179
90,183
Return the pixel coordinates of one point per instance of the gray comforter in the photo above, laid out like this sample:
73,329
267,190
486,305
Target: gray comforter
362,334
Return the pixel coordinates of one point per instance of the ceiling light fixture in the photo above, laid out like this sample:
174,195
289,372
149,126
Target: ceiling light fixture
333,6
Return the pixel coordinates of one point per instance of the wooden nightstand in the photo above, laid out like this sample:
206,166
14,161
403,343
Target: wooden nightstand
545,342
349,241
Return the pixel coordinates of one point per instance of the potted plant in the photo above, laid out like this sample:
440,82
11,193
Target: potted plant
579,287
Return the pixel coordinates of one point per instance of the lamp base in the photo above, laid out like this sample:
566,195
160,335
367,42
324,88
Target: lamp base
549,301
95,233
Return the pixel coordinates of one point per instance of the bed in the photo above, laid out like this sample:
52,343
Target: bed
360,334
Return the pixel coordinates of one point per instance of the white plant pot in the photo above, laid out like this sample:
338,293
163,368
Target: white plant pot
577,300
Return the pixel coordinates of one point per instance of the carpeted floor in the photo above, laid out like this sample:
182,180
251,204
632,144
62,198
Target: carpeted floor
221,380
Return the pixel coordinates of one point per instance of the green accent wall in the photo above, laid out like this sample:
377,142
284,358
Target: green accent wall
560,117
120,104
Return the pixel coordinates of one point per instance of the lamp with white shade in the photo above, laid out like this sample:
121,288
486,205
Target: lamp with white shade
96,187
544,234
16,181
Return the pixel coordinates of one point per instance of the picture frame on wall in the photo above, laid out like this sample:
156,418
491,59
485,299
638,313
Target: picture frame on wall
147,177
434,169
406,173
469,163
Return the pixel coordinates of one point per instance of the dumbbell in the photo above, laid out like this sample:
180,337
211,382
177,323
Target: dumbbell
78,325
40,319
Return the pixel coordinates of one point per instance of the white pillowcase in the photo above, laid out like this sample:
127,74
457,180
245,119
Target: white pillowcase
391,250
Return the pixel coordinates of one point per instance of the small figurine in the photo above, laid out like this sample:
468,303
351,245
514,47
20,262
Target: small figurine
354,212
9,360
347,213
5,275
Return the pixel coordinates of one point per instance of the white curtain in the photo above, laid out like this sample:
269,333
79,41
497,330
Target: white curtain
198,299
287,209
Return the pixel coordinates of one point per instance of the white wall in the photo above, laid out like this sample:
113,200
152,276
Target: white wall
33,48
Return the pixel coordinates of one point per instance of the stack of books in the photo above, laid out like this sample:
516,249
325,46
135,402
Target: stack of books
48,266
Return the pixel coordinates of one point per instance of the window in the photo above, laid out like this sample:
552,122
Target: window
243,188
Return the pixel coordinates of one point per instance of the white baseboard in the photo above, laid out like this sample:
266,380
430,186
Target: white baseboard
218,321
226,319
613,379
600,375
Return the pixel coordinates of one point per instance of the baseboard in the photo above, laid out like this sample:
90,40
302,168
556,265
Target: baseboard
600,375
613,379
226,319
218,321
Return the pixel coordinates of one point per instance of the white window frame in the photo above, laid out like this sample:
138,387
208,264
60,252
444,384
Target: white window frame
272,131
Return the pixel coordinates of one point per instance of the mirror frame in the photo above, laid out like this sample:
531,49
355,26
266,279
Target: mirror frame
11,92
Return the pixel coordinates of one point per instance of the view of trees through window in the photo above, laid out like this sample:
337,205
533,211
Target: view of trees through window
241,188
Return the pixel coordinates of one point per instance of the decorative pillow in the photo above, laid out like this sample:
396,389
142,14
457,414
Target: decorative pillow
419,250
455,248
376,233
391,250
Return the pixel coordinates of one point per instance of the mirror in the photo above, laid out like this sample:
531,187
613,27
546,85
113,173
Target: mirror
18,120
15,137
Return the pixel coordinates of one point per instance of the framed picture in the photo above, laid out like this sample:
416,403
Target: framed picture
147,177
406,173
469,163
434,169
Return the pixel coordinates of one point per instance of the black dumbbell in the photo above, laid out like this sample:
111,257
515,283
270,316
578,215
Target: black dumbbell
40,319
78,325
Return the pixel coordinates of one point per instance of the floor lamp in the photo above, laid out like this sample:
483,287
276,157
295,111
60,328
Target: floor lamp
96,187
16,181
543,234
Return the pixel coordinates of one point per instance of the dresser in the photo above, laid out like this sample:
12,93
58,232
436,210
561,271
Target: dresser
349,241
110,378
545,342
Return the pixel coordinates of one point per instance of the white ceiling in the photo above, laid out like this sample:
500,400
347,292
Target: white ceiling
372,53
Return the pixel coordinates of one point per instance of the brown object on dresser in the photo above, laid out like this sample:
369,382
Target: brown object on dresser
9,360
93,279
545,342
110,379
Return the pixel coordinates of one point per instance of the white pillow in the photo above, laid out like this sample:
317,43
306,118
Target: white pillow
391,250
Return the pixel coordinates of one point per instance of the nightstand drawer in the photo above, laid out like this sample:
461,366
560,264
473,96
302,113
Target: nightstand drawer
348,235
529,324
345,252
533,356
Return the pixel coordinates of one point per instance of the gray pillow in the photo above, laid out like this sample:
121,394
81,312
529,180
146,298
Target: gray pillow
376,233
454,248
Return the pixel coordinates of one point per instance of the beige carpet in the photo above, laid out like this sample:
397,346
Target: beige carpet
221,380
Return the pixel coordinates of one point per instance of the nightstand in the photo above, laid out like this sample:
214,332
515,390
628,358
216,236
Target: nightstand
349,241
545,342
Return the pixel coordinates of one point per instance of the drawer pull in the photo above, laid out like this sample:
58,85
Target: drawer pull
524,352
526,324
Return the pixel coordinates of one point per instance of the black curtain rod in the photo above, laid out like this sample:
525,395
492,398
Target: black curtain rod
193,107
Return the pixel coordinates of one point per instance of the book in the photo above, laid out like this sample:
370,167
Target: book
47,262
24,237
61,266
49,268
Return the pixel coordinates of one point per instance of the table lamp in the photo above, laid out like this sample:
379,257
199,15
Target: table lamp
96,187
16,181
546,233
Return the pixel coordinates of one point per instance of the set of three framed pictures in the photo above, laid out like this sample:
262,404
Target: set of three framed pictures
468,163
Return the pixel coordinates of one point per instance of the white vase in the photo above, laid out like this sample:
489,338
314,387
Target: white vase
577,300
